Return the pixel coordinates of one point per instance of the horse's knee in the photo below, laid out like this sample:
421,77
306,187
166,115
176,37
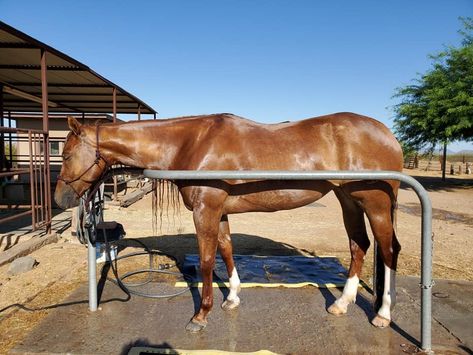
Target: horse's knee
207,302
207,266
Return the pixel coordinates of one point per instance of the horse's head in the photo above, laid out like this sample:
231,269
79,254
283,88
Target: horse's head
82,165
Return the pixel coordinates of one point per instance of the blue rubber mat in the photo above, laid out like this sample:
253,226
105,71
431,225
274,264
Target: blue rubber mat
272,271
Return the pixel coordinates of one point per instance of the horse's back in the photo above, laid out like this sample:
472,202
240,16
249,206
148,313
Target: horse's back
341,141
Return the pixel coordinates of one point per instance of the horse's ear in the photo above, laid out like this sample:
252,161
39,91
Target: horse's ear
74,125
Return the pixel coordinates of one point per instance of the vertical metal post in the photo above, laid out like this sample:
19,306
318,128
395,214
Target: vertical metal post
139,112
47,168
92,269
32,185
2,141
426,270
10,144
114,97
114,104
154,116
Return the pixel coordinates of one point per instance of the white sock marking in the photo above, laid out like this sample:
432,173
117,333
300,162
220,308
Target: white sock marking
349,292
234,287
389,294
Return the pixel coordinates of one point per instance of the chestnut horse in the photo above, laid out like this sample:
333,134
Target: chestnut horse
342,141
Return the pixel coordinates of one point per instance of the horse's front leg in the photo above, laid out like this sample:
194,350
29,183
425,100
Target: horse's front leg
226,250
206,221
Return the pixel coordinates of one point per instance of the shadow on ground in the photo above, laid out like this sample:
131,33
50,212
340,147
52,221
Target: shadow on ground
14,232
434,183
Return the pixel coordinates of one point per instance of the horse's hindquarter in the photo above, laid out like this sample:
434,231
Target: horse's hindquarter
335,142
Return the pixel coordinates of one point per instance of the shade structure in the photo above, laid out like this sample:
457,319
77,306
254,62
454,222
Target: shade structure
72,86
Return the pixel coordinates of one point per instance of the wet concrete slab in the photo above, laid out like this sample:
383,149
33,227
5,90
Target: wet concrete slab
452,306
281,320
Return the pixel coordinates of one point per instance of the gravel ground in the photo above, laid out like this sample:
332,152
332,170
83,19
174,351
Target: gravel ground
316,229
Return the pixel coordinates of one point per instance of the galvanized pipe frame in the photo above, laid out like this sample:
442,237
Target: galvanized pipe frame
426,205
35,162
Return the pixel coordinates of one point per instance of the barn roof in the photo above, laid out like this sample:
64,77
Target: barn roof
72,86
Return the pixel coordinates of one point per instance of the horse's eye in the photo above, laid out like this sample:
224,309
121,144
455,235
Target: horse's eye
66,157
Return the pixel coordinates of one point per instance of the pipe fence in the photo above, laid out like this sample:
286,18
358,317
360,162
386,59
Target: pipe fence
426,227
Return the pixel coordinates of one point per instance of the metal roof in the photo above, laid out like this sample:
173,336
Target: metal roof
72,86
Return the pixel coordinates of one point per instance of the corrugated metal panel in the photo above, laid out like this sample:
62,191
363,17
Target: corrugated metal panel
72,86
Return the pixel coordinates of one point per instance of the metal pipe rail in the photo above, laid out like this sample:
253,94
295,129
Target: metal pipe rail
426,230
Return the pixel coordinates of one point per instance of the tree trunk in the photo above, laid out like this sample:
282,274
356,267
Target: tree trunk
444,158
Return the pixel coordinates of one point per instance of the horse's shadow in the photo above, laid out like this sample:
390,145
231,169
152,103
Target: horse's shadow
178,246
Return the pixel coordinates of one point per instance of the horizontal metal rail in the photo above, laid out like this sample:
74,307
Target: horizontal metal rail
16,216
14,172
426,229
20,130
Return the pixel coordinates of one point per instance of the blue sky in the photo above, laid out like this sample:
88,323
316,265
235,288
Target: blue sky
266,60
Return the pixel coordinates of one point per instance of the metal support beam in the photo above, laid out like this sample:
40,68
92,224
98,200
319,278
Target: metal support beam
64,85
426,230
2,137
92,270
114,98
38,67
10,143
47,167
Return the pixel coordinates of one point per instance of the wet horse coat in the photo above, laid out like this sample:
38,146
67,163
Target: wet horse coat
342,141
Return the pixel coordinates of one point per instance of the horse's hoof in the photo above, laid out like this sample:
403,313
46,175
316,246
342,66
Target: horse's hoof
380,322
228,305
194,326
335,309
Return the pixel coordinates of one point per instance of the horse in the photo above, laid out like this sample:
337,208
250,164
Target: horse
340,141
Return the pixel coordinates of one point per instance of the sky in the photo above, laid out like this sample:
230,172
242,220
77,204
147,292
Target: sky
267,60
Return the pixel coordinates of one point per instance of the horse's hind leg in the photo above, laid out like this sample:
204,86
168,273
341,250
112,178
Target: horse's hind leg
226,250
353,219
378,202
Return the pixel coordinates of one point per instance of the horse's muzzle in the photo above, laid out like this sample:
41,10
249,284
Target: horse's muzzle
65,196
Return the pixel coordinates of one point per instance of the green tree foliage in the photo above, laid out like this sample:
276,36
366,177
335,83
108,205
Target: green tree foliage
438,107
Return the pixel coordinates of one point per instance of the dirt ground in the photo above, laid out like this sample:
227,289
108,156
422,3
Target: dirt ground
316,229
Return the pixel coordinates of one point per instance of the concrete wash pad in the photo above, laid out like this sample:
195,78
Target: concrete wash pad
281,320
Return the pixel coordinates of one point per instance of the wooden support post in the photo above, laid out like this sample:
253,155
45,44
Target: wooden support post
444,160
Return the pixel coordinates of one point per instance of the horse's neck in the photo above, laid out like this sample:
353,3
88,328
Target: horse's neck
142,145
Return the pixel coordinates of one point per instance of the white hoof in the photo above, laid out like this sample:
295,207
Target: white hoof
380,321
228,305
336,309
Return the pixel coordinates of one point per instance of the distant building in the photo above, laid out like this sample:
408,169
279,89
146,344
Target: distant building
58,130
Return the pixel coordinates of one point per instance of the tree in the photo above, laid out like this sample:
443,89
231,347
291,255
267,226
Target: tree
438,107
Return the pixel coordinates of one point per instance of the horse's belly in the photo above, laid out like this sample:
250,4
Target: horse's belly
270,201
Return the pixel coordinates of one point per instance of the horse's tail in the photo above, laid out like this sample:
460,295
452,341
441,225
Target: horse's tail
165,197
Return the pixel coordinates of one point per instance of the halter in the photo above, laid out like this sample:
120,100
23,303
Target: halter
98,157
